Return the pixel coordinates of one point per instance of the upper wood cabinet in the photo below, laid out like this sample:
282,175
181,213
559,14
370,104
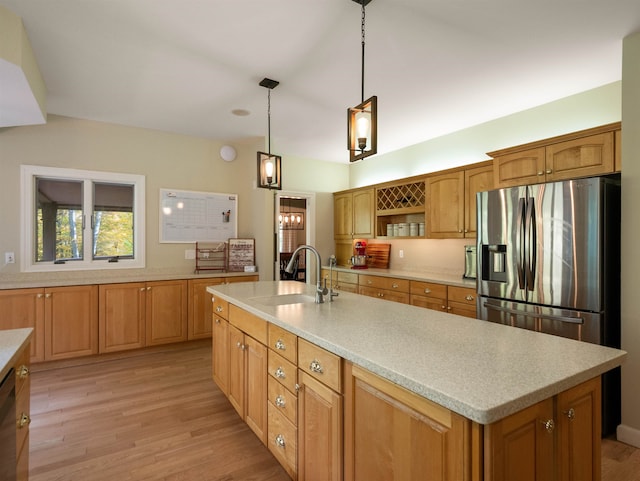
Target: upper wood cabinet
580,154
353,214
451,201
21,308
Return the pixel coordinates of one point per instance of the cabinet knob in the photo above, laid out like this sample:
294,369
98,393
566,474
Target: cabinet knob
540,172
380,294
571,413
219,309
469,297
240,346
394,285
280,345
142,289
149,288
39,296
369,282
24,420
280,374
459,231
47,295
444,307
217,321
22,372
315,366
280,440
548,425
427,291
297,387
280,402
448,308
549,171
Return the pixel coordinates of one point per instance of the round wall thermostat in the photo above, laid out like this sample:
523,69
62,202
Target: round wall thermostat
227,153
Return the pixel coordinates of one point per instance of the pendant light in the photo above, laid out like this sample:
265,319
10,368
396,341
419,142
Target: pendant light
362,120
269,166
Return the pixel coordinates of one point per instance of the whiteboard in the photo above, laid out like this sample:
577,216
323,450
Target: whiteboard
189,216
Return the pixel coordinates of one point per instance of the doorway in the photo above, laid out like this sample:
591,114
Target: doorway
293,229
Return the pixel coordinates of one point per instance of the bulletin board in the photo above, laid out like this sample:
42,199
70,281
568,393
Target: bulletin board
188,216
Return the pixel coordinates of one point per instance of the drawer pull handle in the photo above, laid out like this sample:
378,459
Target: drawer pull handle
549,425
315,366
380,294
369,282
469,297
394,285
280,345
427,291
280,440
22,372
280,402
217,321
571,413
280,373
25,420
219,309
297,387
240,346
549,171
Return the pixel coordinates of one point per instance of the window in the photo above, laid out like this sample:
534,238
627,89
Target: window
76,219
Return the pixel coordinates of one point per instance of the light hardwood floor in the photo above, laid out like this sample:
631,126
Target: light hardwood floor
159,416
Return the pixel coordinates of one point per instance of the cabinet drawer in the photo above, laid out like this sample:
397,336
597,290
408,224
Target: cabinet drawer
429,289
283,342
283,440
321,364
385,294
22,371
463,295
389,283
220,307
248,323
347,277
283,400
283,371
22,419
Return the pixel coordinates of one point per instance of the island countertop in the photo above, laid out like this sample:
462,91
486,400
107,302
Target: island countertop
481,370
11,343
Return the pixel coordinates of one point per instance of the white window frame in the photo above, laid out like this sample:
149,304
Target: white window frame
28,175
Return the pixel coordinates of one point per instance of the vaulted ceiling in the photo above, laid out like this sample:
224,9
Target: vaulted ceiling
437,66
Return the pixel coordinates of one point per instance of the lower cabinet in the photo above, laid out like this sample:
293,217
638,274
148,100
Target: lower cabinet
392,434
23,404
121,316
388,288
220,338
25,308
342,281
556,439
166,312
453,299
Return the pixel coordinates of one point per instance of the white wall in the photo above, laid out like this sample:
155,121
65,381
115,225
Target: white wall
629,431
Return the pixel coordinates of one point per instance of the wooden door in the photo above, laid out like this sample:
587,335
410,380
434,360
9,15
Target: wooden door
236,392
363,213
200,307
584,157
256,387
166,312
445,205
519,168
342,216
71,321
479,179
579,432
394,435
220,355
521,446
319,431
121,316
21,308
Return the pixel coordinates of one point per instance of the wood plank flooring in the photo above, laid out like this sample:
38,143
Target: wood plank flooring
159,416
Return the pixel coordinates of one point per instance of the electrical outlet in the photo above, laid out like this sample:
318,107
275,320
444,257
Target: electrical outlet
401,253
9,258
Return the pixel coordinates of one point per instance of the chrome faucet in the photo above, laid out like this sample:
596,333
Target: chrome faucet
332,263
320,290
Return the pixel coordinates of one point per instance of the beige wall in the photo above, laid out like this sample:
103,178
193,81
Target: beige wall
630,429
167,161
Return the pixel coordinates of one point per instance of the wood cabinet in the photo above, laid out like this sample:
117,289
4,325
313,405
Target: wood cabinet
21,308
556,439
121,316
166,312
451,201
353,214
200,312
23,412
400,203
454,299
71,321
342,281
320,411
388,288
392,434
580,154
461,301
220,356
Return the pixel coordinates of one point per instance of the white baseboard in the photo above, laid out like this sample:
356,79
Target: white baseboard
628,435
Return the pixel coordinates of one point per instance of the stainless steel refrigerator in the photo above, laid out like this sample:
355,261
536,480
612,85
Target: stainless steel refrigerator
549,260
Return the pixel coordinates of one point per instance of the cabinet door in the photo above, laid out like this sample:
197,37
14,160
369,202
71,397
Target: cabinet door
584,157
342,216
200,307
166,312
256,387
393,435
121,316
519,168
71,322
445,205
579,432
236,391
220,356
319,431
476,180
363,213
21,308
520,446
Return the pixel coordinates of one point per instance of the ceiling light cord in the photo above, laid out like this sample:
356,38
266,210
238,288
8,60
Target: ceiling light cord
269,121
362,76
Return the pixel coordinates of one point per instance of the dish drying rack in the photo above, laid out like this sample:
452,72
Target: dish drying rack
211,256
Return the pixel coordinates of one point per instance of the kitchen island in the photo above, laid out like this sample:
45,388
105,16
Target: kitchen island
481,373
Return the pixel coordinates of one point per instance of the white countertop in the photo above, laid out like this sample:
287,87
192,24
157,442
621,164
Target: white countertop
481,370
11,343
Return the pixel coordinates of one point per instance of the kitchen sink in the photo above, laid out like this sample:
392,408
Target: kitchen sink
284,299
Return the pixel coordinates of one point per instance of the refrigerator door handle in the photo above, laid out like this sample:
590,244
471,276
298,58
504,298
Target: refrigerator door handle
520,226
530,249
572,320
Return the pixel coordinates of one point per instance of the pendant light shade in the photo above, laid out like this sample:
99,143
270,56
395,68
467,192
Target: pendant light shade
269,165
